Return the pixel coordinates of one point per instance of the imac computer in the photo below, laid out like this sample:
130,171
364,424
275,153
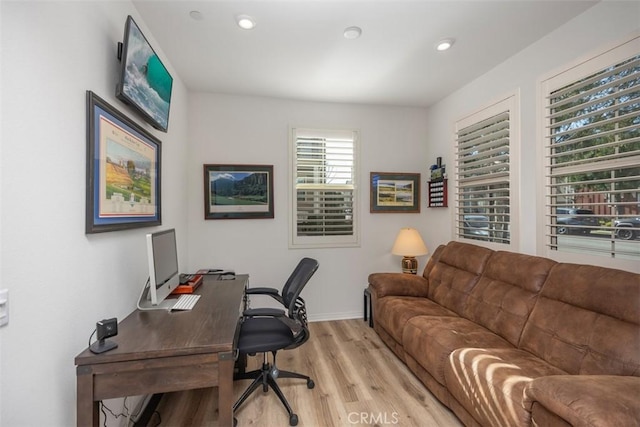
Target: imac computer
162,255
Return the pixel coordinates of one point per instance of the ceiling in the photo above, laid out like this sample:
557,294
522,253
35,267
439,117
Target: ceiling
297,49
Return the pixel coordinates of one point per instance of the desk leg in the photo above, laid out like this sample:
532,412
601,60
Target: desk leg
87,410
226,364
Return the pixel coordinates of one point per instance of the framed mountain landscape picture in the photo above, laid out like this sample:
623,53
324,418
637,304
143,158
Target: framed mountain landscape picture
238,191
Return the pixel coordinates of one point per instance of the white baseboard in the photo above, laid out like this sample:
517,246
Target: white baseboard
336,316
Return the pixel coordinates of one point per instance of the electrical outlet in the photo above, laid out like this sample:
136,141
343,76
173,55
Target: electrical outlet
4,307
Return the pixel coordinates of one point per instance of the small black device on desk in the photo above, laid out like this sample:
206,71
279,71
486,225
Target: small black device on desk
186,278
222,274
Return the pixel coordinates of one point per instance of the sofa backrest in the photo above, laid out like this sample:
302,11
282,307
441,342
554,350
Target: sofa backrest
587,321
433,260
456,272
506,293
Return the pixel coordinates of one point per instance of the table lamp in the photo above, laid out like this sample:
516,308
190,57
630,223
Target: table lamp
409,244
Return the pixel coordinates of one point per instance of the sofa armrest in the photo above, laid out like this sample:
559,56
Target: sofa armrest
593,400
399,284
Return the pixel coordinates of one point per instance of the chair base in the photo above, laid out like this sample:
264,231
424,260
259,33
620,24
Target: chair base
266,376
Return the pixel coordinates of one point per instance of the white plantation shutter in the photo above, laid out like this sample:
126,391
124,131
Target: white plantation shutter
324,191
592,128
484,181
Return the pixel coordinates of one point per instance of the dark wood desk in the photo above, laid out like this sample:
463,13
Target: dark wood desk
160,351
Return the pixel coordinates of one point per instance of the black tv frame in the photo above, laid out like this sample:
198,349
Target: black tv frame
121,93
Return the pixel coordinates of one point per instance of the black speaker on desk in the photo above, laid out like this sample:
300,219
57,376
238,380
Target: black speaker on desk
105,328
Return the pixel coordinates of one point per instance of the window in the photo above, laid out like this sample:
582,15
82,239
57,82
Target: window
485,184
325,197
592,156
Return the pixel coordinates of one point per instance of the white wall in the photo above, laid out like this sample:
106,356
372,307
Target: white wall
62,281
245,130
598,27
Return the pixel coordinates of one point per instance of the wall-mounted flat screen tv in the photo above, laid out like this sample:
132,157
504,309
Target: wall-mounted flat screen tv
145,83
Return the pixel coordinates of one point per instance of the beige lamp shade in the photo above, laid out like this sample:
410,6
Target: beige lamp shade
409,244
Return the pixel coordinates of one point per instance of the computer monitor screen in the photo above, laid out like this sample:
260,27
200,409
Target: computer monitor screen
162,254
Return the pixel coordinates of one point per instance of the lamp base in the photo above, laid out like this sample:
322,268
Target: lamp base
409,265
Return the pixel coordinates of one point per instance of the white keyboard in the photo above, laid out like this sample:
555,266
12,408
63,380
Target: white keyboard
186,302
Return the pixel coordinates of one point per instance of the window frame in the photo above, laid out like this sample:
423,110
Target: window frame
570,73
327,241
509,102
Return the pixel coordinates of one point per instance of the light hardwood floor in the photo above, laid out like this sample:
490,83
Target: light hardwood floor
359,382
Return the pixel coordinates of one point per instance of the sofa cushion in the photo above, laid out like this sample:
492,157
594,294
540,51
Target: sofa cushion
456,273
542,417
506,293
589,400
586,321
489,383
430,340
392,313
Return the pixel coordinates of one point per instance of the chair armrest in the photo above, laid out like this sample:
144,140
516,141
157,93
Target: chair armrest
262,291
399,284
272,292
595,400
263,312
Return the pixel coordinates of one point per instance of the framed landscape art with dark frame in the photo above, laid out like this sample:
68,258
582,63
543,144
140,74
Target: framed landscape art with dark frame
395,192
123,171
238,191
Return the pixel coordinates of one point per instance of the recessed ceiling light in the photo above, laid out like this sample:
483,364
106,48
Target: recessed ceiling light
444,44
352,33
245,22
197,15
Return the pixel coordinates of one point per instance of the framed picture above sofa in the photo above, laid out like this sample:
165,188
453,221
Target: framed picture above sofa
395,192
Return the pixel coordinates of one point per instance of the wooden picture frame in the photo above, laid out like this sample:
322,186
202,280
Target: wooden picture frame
395,192
238,191
123,171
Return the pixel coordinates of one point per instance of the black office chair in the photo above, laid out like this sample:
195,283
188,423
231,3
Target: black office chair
265,330
273,292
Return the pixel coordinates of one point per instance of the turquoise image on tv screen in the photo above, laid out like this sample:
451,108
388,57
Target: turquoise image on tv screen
146,83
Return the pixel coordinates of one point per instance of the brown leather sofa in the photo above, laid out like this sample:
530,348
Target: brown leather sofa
506,339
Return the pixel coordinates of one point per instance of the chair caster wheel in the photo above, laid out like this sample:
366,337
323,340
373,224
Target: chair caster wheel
235,421
293,420
310,384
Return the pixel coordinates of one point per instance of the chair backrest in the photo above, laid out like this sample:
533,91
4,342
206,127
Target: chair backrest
297,310
297,281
